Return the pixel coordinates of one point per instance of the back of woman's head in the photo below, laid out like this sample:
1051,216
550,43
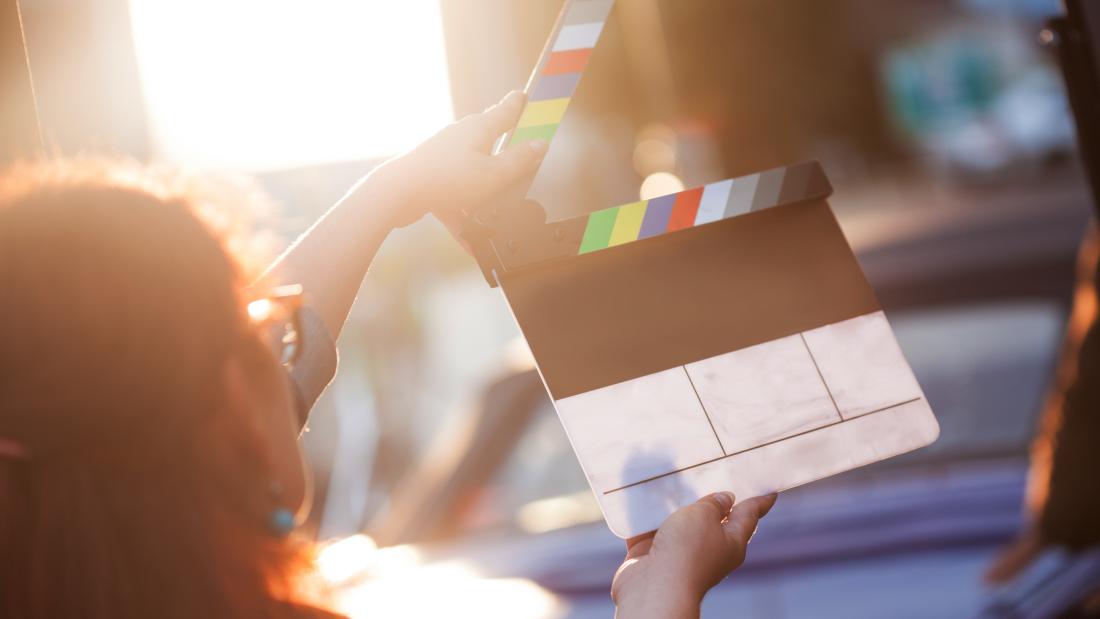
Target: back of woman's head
128,488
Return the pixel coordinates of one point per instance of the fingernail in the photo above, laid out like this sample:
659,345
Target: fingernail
512,96
770,504
725,500
539,146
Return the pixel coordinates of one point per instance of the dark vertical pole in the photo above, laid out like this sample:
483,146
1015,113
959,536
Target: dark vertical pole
1077,50
19,131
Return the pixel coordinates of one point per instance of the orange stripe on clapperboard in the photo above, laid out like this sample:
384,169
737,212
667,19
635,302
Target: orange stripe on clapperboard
573,61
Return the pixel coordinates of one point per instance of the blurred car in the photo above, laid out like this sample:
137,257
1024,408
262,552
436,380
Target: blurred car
978,294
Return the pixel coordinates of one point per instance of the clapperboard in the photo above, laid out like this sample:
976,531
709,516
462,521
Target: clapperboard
722,338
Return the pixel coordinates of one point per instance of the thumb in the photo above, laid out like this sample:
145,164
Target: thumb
707,511
717,505
499,119
520,161
743,519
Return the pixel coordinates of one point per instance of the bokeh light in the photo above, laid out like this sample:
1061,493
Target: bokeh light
660,184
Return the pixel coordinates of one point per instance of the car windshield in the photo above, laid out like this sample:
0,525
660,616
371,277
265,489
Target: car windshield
983,367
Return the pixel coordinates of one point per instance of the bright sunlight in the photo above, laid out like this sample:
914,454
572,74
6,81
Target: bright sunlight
259,84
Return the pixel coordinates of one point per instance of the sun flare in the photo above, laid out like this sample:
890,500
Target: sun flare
256,85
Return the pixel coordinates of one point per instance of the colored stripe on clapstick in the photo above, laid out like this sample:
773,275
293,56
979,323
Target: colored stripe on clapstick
700,206
556,81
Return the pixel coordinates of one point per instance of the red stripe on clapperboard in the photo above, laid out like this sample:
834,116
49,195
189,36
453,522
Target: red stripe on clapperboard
685,209
573,61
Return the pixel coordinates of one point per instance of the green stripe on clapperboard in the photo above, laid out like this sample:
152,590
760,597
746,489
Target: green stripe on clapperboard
597,233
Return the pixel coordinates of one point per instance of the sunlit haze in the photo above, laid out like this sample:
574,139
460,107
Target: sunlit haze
391,582
255,85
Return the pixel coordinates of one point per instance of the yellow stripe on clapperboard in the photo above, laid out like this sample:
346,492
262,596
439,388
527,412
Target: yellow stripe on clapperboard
628,224
548,112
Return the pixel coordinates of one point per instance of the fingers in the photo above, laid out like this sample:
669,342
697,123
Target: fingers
499,119
514,163
719,504
738,522
744,517
639,546
704,513
520,161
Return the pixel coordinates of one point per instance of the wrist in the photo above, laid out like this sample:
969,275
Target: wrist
375,202
658,602
387,194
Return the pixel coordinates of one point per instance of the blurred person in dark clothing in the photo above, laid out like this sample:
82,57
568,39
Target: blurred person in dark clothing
151,399
1064,491
1063,498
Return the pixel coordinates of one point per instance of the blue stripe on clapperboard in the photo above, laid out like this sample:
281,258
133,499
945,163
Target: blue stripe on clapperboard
556,87
656,216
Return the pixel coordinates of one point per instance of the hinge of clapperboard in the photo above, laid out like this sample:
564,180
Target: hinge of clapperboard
514,234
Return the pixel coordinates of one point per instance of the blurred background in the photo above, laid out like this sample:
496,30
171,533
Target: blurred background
943,125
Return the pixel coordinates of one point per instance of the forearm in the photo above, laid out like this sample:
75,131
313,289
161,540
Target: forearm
331,259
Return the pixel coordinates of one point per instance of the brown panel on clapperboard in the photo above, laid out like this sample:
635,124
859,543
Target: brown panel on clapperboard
621,313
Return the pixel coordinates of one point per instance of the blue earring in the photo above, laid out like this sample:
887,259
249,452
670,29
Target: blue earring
280,520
